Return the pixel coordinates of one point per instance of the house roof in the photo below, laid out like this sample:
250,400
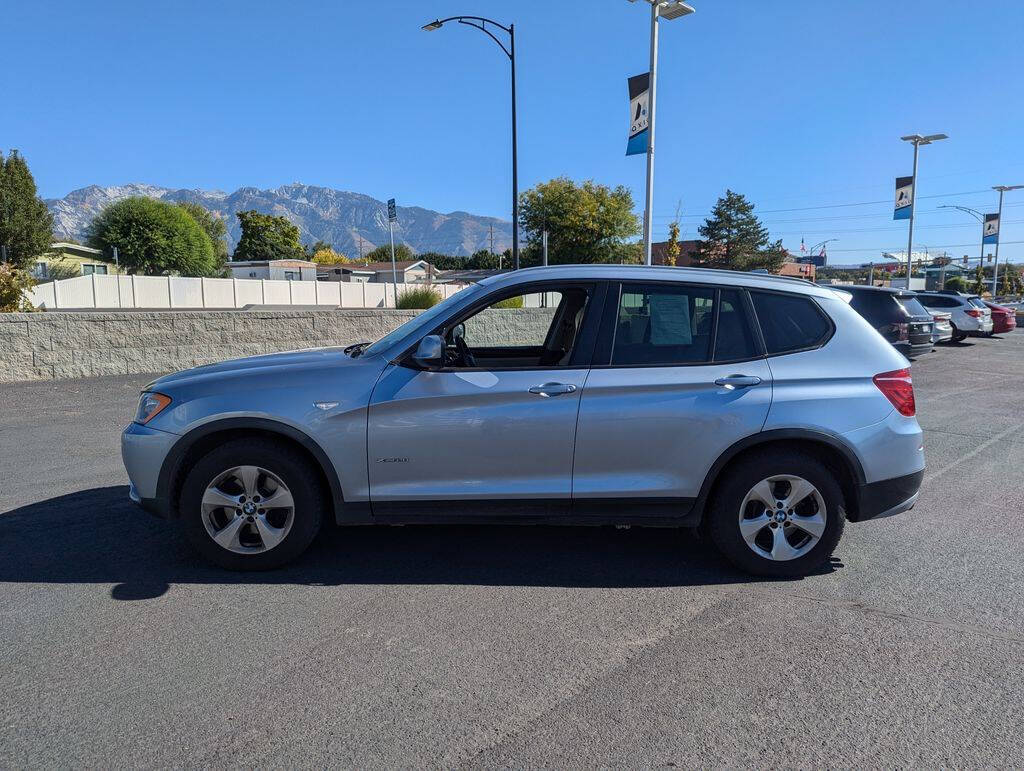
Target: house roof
275,263
376,267
62,246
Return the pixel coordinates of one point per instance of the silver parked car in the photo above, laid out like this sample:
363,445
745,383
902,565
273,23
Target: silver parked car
763,410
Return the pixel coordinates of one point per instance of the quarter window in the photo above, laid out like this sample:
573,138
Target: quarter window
789,322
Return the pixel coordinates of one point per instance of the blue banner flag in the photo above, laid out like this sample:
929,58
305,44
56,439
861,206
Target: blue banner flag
991,233
639,93
904,198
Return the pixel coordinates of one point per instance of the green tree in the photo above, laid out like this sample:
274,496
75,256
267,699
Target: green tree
266,237
153,237
672,247
383,253
956,284
484,260
586,222
442,261
212,225
735,239
26,225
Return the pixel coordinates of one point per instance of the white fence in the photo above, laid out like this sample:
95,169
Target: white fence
112,292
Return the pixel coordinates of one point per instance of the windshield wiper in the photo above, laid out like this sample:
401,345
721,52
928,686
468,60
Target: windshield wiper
356,348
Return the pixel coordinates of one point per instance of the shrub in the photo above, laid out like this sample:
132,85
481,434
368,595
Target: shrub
419,298
956,283
13,283
510,302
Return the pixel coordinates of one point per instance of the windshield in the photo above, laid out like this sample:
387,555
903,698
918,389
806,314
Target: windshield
912,306
427,318
977,302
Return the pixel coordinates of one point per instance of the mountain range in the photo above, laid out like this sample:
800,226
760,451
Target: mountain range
351,222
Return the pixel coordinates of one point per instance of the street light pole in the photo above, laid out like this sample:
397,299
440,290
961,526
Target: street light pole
995,267
652,90
981,218
668,10
917,141
480,23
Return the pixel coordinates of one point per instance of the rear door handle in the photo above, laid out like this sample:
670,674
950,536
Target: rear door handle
738,381
552,389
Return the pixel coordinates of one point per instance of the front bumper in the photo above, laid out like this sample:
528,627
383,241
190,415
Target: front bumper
143,451
889,496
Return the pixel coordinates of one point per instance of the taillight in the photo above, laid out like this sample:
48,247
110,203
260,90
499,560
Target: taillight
902,330
898,388
974,312
938,318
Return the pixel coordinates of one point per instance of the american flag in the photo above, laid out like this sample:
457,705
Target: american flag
802,247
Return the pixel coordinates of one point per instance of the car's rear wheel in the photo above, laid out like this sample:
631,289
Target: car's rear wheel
958,336
251,505
777,514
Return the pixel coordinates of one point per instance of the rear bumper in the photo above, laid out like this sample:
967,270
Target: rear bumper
913,349
889,496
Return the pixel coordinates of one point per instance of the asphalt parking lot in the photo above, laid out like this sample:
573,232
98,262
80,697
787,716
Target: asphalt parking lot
485,647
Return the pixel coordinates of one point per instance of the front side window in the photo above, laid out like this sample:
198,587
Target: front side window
913,306
789,322
663,324
528,330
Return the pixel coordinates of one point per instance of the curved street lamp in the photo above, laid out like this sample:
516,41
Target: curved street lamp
978,216
480,23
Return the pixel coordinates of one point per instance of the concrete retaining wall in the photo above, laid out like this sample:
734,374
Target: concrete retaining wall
54,345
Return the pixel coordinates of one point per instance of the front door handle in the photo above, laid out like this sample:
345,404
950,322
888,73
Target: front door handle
738,381
552,389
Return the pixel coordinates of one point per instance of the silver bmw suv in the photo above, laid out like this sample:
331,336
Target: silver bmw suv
763,410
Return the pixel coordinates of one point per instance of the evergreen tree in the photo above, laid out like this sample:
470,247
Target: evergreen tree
735,239
26,225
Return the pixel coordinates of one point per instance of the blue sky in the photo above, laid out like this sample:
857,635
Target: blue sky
796,104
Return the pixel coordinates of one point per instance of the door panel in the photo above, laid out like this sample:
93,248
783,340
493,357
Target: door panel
655,431
465,435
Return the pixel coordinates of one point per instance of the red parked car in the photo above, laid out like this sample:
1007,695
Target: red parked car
1003,319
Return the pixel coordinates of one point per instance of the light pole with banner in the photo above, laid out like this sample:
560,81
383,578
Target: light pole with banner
905,208
660,9
999,218
392,219
480,23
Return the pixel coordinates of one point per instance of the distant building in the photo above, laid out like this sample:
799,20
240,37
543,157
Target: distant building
409,272
287,270
73,259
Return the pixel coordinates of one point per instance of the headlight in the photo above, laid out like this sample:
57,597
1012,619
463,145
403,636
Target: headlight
150,405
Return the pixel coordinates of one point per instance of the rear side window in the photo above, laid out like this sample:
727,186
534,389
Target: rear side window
790,322
912,306
938,301
977,302
663,324
733,341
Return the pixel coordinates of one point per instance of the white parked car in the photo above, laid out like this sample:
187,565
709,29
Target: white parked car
968,313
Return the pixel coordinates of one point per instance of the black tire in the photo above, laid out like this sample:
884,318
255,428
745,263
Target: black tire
284,462
958,336
722,517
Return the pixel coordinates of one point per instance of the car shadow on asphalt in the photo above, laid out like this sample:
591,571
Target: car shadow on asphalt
98,536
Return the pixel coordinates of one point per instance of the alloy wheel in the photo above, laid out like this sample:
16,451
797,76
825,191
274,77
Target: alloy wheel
782,517
247,510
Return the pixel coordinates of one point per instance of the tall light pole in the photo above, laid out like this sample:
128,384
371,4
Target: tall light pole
918,141
995,268
668,10
480,23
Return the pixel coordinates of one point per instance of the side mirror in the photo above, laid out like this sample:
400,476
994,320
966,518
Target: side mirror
430,352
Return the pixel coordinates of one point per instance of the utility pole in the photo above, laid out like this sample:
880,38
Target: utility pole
392,218
871,274
492,239
360,247
544,244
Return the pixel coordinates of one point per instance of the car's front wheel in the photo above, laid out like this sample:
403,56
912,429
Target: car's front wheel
251,504
777,514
